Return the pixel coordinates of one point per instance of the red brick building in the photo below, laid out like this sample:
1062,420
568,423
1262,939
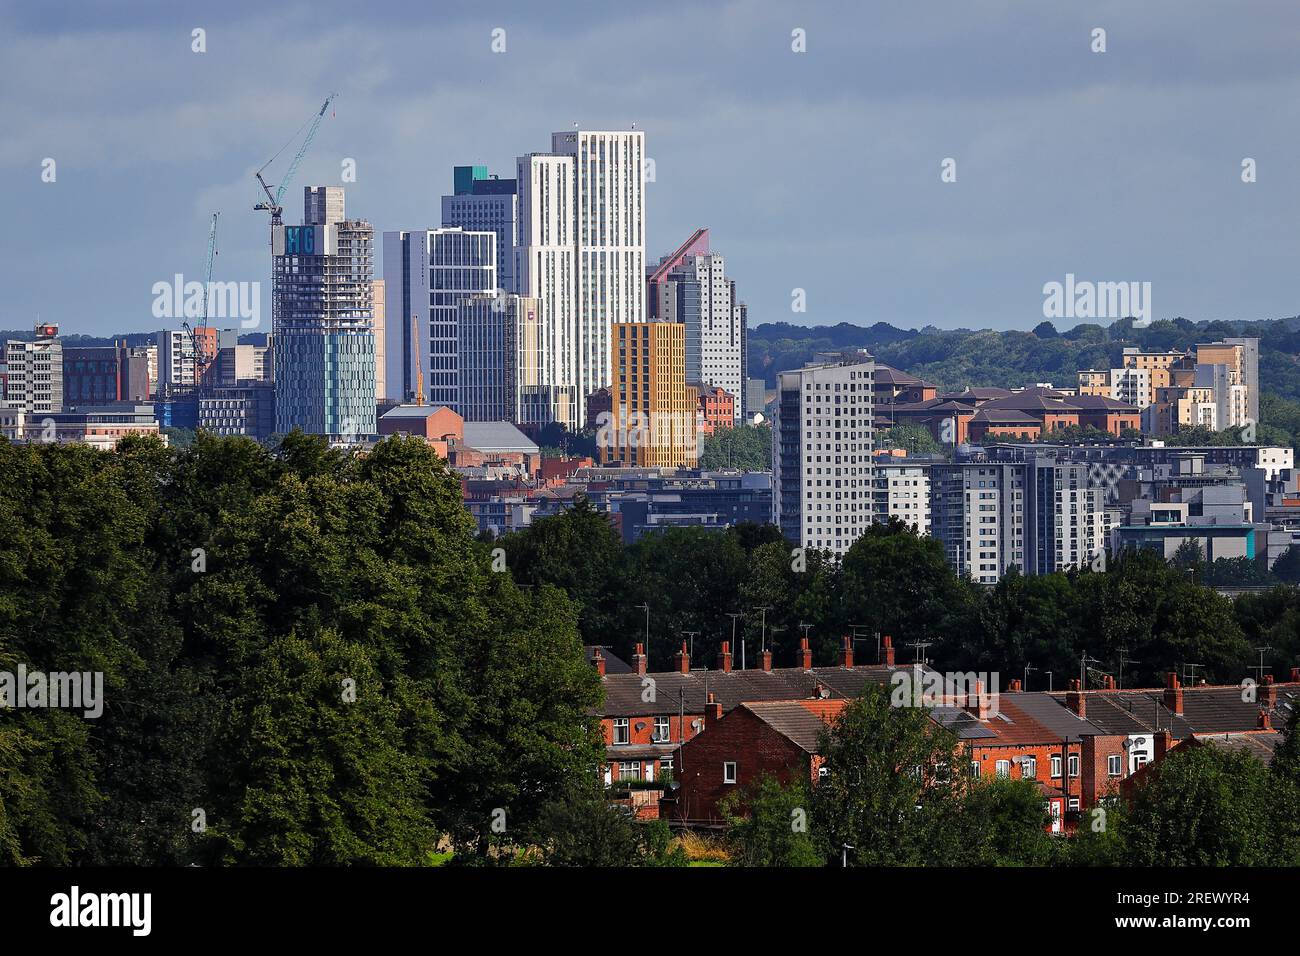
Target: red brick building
717,410
732,752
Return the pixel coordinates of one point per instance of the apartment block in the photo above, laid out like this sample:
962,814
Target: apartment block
822,452
653,421
34,372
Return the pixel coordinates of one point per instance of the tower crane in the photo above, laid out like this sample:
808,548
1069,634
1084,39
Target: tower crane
195,336
273,199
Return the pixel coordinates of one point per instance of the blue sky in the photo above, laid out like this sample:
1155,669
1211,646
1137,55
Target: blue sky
816,170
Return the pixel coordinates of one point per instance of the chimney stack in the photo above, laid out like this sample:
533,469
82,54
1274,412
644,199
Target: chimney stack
1173,693
765,659
978,703
848,651
712,711
1295,675
1265,721
639,659
1108,682
683,660
887,651
805,654
724,658
1160,746
1014,686
1268,693
1075,701
598,659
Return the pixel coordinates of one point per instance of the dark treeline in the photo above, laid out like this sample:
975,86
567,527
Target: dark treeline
896,582
307,660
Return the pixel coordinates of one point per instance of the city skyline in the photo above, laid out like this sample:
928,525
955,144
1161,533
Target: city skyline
748,138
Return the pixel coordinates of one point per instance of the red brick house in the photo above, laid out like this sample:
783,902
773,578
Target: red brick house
645,717
733,752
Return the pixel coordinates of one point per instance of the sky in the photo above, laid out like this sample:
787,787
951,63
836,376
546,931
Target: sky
820,171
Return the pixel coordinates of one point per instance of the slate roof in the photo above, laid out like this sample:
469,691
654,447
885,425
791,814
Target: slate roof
613,663
1261,744
1206,710
674,691
1053,715
801,721
498,436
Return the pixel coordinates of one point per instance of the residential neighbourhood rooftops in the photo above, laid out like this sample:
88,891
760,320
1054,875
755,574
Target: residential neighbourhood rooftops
802,721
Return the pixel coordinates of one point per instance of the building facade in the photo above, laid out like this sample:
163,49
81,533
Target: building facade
653,421
483,203
34,372
582,251
322,313
824,430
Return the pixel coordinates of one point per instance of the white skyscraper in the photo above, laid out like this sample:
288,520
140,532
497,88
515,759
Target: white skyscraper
821,452
581,252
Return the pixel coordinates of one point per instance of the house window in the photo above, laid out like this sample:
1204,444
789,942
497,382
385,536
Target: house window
729,771
974,768
661,730
621,734
1028,767
665,766
1074,803
1003,768
1056,767
629,769
1074,765
823,772
1114,765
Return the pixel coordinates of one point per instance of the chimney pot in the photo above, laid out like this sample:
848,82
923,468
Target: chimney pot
639,659
887,651
1265,721
683,659
712,710
1014,686
724,658
598,659
805,654
848,651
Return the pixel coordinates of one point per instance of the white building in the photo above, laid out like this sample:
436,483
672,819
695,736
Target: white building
34,372
902,490
822,494
483,203
582,250
175,360
698,294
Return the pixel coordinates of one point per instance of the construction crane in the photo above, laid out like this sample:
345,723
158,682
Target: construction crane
419,366
201,332
273,199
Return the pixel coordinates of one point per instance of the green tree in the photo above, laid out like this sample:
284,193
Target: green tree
769,824
890,792
1203,806
746,447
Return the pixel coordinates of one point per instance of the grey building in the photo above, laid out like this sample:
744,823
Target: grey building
483,203
322,302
